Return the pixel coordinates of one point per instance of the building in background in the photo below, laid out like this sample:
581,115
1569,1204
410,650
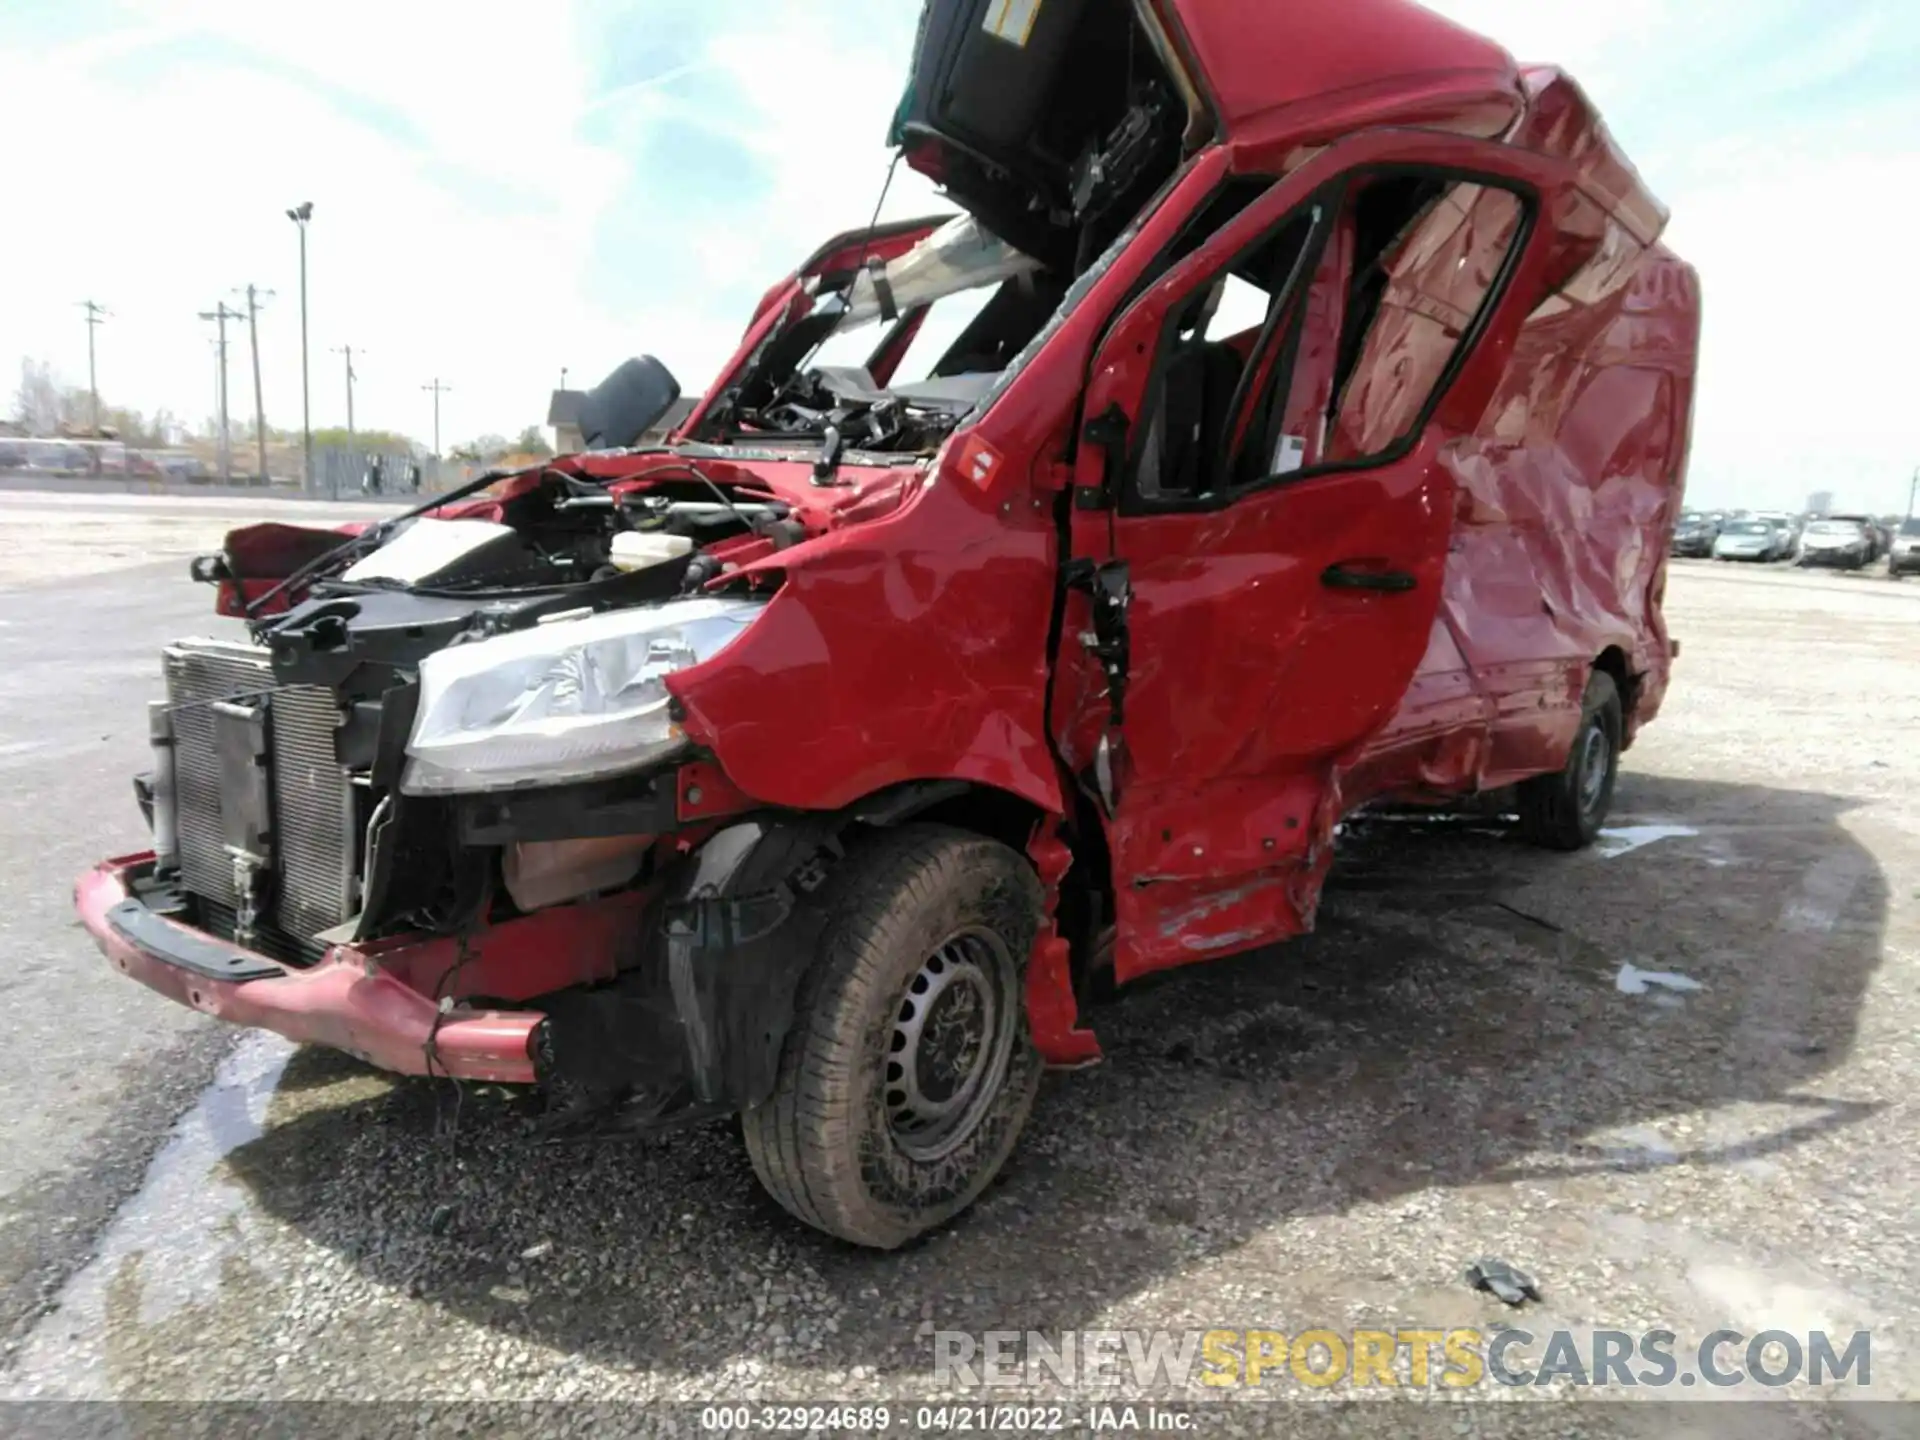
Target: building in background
1820,502
563,416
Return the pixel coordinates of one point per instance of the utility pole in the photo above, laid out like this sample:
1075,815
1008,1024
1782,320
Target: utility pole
1913,492
96,313
563,377
220,314
438,390
253,295
347,350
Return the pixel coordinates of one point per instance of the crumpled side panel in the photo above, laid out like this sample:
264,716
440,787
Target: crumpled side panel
1444,268
911,647
1567,497
1561,121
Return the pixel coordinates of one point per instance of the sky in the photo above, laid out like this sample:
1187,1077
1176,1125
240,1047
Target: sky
503,191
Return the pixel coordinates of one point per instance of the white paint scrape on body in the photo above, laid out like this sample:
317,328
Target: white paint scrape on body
1612,844
1632,980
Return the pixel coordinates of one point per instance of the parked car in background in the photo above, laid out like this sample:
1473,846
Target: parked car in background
1790,526
1878,540
1842,542
1904,559
1695,534
1752,540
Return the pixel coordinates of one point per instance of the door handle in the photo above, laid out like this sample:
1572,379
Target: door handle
1392,582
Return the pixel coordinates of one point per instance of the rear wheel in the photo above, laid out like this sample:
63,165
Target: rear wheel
1565,811
908,1074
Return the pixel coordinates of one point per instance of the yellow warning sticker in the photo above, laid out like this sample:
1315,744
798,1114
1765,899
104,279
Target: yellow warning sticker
1012,20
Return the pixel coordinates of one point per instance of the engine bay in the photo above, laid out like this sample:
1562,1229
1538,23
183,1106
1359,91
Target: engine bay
565,546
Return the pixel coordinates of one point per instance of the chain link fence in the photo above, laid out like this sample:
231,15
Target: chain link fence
341,472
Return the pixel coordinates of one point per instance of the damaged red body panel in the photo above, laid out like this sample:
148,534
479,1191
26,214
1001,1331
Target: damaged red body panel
1151,589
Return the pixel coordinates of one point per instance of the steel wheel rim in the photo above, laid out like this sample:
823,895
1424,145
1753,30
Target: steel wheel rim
1596,759
950,1044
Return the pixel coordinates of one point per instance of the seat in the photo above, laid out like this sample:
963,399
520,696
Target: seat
1184,445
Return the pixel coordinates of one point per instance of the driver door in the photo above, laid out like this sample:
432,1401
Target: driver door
1263,518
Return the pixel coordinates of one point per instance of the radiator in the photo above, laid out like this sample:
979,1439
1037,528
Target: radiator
314,812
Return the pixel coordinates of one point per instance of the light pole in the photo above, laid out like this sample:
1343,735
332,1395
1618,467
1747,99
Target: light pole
300,214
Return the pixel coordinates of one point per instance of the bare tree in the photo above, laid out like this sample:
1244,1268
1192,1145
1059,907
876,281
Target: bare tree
37,403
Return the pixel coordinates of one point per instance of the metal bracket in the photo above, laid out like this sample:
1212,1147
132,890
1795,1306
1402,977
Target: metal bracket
1108,586
1109,430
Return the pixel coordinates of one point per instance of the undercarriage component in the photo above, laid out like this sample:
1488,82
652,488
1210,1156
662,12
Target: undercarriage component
696,1028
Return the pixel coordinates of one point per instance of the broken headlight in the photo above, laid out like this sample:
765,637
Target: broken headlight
573,700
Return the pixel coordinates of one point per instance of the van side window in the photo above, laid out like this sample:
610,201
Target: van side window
1427,258
1214,335
1394,272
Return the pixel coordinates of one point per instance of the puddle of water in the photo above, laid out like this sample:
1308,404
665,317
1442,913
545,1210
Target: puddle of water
1824,894
186,1221
1636,1145
1625,839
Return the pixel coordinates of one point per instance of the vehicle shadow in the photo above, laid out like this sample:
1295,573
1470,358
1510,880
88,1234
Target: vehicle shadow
1454,1023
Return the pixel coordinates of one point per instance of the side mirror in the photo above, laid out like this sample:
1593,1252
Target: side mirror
625,405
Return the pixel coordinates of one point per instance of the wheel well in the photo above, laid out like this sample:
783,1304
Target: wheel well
986,811
1613,661
1086,900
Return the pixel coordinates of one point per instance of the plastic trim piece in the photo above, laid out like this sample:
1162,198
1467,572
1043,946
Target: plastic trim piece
137,925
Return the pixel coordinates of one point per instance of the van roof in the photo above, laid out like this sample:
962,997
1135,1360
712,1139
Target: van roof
1272,66
1315,69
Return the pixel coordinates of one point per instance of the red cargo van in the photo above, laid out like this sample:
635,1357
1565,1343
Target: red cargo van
1293,417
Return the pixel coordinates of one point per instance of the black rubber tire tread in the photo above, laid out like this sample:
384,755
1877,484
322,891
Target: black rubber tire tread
1550,814
883,904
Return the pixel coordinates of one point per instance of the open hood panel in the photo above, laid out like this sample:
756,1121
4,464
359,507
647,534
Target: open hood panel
1050,120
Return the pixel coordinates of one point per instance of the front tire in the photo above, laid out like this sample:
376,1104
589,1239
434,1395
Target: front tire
909,1072
1565,811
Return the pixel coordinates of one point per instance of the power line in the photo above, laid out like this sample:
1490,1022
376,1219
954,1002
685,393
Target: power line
253,295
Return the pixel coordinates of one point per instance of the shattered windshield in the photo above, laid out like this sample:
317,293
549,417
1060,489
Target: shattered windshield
892,356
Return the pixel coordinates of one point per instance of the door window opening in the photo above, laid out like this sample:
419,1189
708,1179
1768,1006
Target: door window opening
1352,364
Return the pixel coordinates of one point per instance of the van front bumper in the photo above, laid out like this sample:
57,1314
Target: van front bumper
352,1000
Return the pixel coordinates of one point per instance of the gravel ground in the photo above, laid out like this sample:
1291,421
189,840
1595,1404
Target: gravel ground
1318,1136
